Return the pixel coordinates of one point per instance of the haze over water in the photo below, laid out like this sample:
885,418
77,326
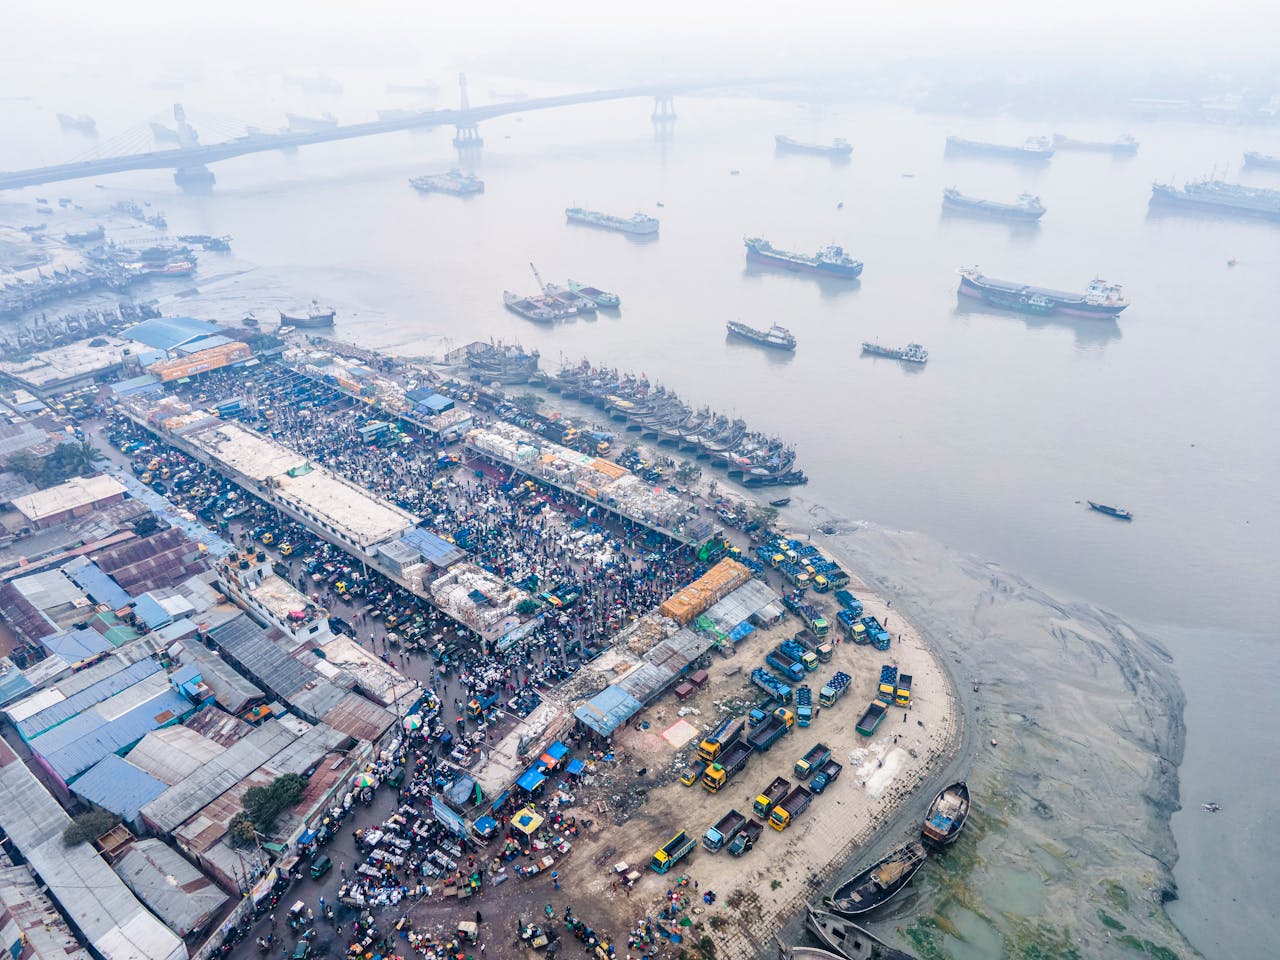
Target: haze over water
992,448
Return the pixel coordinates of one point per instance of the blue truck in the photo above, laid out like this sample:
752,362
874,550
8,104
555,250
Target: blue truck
878,634
849,602
825,776
834,689
786,664
796,651
771,685
770,732
804,706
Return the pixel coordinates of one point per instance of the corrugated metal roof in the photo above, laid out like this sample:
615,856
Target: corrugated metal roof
247,643
739,606
434,549
232,691
13,683
608,710
118,677
92,580
203,343
303,753
360,718
76,645
175,805
117,785
173,753
182,896
147,383
148,609
165,333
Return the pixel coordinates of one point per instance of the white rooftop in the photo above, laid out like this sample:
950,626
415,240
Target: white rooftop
65,363
76,492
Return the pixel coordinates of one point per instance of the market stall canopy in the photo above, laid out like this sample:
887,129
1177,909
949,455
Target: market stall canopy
527,821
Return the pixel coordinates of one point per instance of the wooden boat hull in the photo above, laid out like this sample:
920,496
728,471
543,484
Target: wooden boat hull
879,883
947,815
848,939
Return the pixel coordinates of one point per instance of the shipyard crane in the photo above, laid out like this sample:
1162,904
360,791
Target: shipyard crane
542,287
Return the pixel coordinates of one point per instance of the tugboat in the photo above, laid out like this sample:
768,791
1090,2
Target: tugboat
947,815
911,353
776,336
878,883
1118,512
311,316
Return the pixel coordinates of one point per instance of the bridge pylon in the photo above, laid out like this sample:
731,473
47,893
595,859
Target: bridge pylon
199,179
466,135
664,109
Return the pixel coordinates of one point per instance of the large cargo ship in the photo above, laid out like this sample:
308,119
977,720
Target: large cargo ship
831,260
1026,209
1034,150
637,224
1101,299
1266,161
1220,196
1124,145
779,338
454,182
911,353
839,147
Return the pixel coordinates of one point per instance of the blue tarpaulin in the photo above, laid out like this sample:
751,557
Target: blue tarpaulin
575,767
531,780
485,826
741,631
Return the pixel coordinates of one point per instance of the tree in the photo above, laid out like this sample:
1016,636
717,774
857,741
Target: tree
263,805
64,461
88,826
240,831
528,402
527,606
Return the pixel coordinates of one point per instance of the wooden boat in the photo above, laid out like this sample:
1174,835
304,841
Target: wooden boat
947,815
848,939
805,953
878,883
780,502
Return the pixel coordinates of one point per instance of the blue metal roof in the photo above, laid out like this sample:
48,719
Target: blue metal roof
147,383
608,710
148,610
57,713
117,785
13,685
435,550
437,403
203,343
419,394
75,746
76,645
90,578
165,333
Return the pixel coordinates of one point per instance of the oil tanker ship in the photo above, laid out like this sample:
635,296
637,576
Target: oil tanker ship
638,224
1027,209
839,147
1101,299
911,353
1263,160
1034,150
830,261
1221,197
1124,145
777,337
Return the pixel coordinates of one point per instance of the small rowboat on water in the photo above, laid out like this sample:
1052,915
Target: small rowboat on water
848,939
805,953
879,882
947,815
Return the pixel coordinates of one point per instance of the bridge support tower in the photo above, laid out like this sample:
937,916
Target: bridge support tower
194,179
466,135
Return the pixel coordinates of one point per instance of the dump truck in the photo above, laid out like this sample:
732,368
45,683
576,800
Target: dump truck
693,773
797,651
771,797
731,761
888,686
770,732
746,838
848,601
771,685
785,663
672,852
871,718
878,634
903,695
796,802
824,650
808,765
714,745
834,689
853,626
724,831
826,776
804,706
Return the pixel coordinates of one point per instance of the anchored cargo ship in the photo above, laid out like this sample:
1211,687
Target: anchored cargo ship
313,315
1220,196
1266,161
1101,299
541,309
911,353
1118,512
831,260
839,147
1124,145
81,124
1034,150
454,182
776,336
1027,208
601,298
637,224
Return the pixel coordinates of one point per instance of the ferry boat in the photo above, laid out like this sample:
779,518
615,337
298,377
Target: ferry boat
1034,150
911,353
1100,299
831,260
839,147
1118,512
638,224
1124,145
601,298
776,336
312,315
947,815
1221,197
1027,208
878,883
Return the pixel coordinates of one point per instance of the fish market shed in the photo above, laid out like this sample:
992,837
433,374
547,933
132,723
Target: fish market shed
608,710
713,586
741,605
179,894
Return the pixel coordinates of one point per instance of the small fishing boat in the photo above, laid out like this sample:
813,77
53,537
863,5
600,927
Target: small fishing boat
878,883
805,953
780,502
848,939
1211,807
1118,512
947,815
